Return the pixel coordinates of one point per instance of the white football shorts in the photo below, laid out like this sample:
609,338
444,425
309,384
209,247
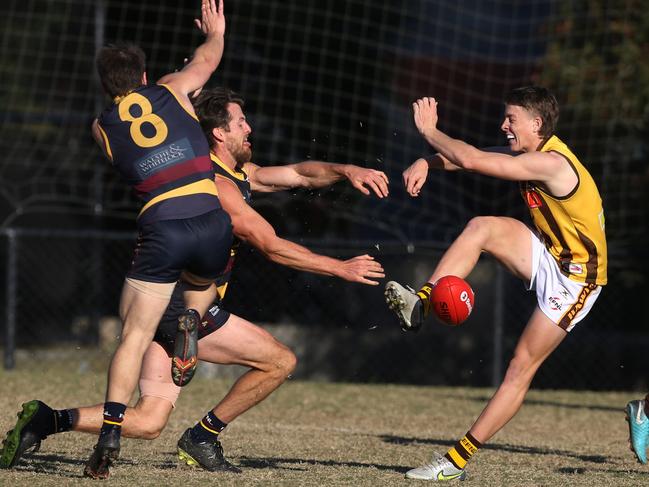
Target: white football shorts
564,301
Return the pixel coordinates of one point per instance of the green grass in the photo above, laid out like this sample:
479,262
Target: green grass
310,433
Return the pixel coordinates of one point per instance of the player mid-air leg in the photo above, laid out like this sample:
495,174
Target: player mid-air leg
508,240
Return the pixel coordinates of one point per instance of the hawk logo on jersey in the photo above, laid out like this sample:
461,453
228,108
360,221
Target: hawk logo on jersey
533,199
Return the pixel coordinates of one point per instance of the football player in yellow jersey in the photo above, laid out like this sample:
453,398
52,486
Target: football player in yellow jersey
224,338
563,257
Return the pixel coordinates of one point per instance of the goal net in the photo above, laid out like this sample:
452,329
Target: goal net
334,80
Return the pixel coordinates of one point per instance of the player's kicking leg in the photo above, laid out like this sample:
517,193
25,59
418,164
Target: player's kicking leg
409,307
507,239
242,343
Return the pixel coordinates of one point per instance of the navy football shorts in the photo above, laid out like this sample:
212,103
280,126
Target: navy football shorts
199,245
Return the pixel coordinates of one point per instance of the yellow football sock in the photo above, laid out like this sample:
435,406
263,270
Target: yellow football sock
424,295
463,450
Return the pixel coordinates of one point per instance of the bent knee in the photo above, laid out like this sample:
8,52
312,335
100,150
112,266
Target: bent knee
147,427
481,224
478,230
290,361
284,361
493,233
150,415
142,430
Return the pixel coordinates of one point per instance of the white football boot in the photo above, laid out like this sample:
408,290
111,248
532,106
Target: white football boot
439,469
406,304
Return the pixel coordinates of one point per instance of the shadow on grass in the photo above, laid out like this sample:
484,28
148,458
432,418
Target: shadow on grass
541,402
400,440
581,471
246,462
51,464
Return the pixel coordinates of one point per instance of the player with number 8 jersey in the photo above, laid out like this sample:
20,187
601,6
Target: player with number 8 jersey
160,150
153,138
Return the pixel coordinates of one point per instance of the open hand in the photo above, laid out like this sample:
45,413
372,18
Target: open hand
212,21
360,269
360,177
425,114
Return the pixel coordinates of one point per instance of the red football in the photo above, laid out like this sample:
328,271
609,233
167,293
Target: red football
452,299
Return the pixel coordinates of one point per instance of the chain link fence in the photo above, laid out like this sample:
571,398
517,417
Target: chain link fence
335,85
62,289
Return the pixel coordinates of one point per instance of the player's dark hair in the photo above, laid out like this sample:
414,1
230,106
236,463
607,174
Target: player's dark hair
211,108
539,101
120,68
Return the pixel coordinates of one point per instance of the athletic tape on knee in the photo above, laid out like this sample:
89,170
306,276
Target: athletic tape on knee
163,390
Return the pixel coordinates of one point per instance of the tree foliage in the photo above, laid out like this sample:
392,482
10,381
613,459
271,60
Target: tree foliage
598,64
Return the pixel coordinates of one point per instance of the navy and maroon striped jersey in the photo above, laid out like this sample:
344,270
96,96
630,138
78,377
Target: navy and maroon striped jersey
160,150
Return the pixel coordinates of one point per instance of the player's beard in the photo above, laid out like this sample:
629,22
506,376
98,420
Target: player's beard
241,153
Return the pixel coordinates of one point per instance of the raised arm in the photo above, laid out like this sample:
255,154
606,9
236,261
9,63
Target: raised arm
535,166
316,174
206,57
250,226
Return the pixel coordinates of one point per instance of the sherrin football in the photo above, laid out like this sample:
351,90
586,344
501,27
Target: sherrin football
452,300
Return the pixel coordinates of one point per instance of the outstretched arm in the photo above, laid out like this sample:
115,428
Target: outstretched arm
316,174
535,166
250,226
415,176
206,57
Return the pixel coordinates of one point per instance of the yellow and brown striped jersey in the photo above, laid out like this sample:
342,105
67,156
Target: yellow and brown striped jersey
571,226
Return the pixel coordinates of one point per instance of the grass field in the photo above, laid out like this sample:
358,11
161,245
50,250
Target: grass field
323,434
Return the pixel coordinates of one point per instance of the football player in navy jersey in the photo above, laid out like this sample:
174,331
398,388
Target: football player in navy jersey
151,135
225,338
